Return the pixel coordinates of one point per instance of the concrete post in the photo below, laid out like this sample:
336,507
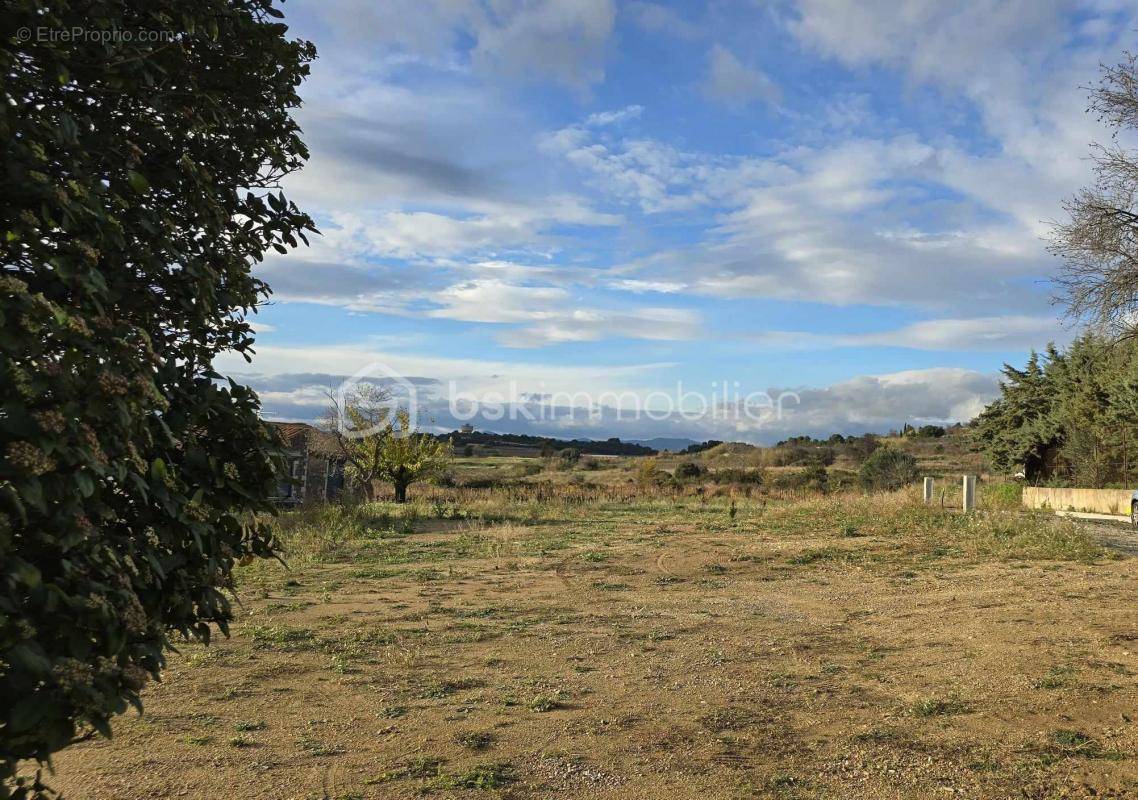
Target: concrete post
928,491
969,487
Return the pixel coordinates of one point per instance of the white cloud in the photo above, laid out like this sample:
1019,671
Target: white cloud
429,234
658,19
822,224
598,402
642,286
560,40
736,85
614,117
551,315
1013,332
1021,64
563,40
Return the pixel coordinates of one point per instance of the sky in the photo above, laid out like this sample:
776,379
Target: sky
732,220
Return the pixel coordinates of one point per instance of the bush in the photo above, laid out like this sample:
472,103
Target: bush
887,468
688,470
812,478
568,457
136,193
752,477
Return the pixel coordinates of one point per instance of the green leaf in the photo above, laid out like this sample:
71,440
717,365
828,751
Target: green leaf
85,484
137,181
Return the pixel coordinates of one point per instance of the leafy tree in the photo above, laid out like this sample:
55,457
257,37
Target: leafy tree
139,184
1019,431
1072,415
1080,382
888,468
407,456
360,421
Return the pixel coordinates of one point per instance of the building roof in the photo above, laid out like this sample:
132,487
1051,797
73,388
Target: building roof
301,435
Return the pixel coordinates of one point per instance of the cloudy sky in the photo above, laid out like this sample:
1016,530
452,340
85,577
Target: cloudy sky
841,199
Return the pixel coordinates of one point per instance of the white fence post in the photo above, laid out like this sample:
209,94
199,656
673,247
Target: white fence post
928,491
969,487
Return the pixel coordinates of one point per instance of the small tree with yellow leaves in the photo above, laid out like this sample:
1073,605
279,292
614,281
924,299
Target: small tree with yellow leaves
406,455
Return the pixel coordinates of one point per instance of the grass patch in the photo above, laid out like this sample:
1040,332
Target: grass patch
474,740
1066,743
420,767
937,707
482,776
282,637
544,703
820,554
1056,678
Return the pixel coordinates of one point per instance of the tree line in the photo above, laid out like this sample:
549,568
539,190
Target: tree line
1067,416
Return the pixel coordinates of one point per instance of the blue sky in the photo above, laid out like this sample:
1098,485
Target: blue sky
844,200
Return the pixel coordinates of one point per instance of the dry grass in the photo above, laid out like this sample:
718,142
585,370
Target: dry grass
597,642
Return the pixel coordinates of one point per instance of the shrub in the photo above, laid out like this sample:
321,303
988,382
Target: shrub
887,468
688,470
812,478
752,477
136,193
570,455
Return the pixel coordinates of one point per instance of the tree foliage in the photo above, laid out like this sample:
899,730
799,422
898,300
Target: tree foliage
407,455
378,443
138,186
1068,415
360,420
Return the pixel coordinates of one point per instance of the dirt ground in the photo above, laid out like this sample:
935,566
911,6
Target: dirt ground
625,652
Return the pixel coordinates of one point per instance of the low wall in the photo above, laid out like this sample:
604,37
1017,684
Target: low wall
1097,501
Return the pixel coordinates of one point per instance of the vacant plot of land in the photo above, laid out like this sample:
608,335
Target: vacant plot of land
840,647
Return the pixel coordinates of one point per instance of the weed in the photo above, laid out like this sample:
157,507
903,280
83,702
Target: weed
1056,678
474,740
937,707
249,725
727,719
543,703
819,554
281,637
610,586
420,767
482,776
314,747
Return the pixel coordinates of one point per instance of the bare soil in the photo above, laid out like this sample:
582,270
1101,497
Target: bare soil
622,653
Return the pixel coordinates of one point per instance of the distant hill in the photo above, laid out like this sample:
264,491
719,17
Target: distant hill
664,443
522,444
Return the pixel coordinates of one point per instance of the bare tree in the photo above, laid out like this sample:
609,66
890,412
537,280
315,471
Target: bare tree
1099,239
